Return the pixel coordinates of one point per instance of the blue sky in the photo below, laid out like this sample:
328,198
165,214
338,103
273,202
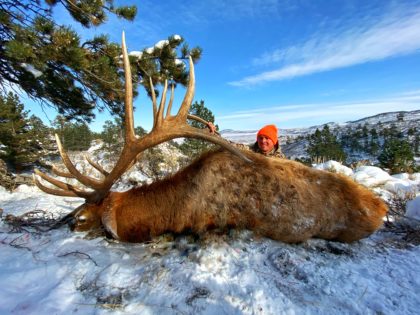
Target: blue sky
291,63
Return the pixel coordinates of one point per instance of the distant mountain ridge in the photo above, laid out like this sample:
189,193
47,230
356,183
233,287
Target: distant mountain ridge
411,119
390,117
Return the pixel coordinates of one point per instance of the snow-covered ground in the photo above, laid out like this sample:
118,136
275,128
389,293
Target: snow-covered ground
61,272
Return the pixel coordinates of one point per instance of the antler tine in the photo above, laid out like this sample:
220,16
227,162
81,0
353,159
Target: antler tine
128,105
201,120
97,166
162,105
191,132
152,90
85,180
58,172
171,100
65,189
189,95
52,191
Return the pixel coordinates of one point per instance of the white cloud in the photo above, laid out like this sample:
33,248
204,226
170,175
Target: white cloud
202,11
395,35
305,115
415,93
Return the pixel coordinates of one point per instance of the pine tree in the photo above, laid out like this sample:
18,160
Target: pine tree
397,156
58,124
365,131
74,136
365,137
346,138
164,61
48,61
394,133
18,145
41,136
416,144
314,149
374,142
193,147
77,136
51,64
323,146
411,131
38,129
113,137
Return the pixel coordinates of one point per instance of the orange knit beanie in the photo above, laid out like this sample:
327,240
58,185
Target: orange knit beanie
270,131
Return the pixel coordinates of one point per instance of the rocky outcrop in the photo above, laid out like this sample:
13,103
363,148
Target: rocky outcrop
9,180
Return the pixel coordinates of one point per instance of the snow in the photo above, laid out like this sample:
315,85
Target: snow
159,45
62,272
96,145
371,176
162,43
401,176
137,54
413,208
30,68
336,167
402,187
137,176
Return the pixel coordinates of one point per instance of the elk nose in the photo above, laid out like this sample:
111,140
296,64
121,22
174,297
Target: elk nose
72,223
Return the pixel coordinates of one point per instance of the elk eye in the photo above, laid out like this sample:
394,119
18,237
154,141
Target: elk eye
81,219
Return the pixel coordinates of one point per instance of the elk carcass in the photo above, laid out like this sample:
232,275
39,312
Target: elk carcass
226,188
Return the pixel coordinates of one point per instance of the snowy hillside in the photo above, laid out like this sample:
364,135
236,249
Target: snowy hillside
410,119
60,272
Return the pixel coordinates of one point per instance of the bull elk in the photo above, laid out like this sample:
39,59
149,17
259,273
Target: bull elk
226,188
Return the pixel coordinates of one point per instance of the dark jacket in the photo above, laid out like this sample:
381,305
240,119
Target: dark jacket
276,152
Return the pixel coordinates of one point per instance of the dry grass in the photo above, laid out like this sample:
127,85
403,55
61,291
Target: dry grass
397,223
34,221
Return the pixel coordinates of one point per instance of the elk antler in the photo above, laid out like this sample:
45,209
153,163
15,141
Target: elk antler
165,127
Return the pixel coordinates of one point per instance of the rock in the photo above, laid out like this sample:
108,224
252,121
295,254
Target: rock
11,181
6,178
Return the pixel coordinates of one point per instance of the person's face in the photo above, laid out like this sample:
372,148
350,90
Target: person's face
265,144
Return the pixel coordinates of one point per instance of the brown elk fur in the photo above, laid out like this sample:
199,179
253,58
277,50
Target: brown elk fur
276,198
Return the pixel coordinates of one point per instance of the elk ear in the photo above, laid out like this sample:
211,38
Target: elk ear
109,221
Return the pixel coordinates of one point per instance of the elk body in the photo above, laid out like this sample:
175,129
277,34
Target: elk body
279,199
276,198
